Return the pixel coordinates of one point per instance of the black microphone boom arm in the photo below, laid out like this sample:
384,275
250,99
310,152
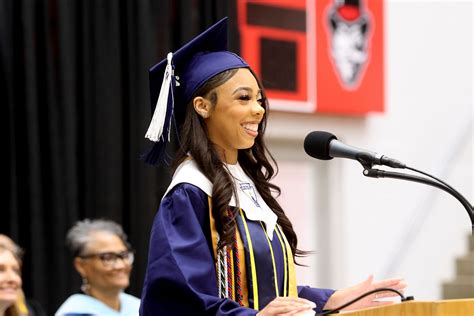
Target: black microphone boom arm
377,173
325,146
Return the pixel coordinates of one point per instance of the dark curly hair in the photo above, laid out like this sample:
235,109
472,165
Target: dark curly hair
255,161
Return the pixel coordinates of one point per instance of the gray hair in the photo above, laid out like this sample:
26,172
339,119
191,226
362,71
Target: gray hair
79,235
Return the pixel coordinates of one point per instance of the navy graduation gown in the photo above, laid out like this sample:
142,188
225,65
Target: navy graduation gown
181,273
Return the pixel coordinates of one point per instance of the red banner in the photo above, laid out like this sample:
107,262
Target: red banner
316,56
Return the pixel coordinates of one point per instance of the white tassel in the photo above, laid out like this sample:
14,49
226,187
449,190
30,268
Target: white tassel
155,130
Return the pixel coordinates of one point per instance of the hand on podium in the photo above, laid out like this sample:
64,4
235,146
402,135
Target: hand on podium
343,296
288,305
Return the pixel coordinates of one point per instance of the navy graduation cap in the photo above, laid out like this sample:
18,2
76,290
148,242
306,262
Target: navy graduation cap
173,82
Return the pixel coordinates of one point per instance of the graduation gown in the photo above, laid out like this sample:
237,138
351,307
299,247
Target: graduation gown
81,304
184,275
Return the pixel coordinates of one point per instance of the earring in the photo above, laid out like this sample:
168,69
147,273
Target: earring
85,287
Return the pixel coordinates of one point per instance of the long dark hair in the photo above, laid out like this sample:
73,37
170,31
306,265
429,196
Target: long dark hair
255,161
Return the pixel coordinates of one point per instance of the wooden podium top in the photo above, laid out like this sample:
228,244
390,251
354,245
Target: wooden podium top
461,307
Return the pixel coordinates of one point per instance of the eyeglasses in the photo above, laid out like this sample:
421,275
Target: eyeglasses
110,259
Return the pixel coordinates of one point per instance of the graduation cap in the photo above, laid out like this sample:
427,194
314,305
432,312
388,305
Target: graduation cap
180,75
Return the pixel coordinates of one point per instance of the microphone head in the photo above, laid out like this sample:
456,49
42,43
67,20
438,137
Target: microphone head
316,144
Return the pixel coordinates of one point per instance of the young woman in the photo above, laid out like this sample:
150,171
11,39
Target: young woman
221,244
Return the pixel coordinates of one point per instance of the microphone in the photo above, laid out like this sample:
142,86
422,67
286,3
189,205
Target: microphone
325,146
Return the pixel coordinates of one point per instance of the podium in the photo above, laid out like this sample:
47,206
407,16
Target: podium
461,307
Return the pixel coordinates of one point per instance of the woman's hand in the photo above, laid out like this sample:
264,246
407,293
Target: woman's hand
294,306
343,296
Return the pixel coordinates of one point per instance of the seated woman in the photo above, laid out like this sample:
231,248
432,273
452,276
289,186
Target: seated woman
10,279
103,258
23,306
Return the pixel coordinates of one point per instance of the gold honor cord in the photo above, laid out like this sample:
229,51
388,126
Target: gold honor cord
275,277
292,290
252,263
285,260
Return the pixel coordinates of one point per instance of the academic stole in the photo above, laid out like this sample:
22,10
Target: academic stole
245,270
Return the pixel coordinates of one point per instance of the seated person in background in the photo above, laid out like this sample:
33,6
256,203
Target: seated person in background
25,307
103,258
11,297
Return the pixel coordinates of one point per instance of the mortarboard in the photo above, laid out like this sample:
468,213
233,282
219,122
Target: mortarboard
173,82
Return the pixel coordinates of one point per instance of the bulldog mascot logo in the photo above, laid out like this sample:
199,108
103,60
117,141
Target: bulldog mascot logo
349,26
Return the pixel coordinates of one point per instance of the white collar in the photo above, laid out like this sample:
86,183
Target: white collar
249,199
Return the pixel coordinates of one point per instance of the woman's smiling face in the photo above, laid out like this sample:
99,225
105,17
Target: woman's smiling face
233,122
104,278
10,278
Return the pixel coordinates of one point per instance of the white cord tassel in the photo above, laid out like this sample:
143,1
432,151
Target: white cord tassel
155,130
